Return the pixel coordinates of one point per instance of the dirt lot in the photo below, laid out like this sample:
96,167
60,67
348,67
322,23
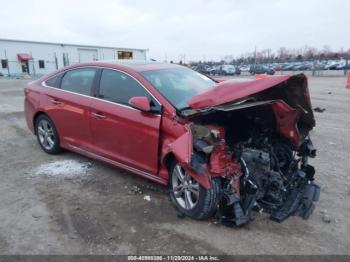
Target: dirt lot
69,204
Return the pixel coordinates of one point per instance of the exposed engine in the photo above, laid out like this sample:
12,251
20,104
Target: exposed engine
266,172
276,178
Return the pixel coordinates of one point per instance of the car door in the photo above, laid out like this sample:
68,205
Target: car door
70,106
120,132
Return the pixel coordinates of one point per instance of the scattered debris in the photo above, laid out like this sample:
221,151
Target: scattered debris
216,222
133,230
147,198
36,216
63,168
326,219
135,190
324,189
319,109
179,214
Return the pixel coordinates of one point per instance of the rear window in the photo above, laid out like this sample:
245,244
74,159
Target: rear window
79,80
53,81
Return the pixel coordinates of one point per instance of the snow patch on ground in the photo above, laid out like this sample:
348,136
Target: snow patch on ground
63,168
147,198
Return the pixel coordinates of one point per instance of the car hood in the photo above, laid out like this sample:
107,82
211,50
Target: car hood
293,90
231,90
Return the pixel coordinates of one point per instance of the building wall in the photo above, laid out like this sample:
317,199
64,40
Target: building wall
53,55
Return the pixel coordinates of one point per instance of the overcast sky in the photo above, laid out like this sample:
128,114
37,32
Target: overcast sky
197,29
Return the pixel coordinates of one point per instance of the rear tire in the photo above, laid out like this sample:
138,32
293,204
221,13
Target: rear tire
47,135
201,203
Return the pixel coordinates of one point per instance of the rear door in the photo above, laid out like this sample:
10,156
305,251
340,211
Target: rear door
70,106
120,132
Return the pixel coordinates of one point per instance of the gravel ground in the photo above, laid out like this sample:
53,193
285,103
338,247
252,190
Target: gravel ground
69,204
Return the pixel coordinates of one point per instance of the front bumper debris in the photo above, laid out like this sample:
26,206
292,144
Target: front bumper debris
234,211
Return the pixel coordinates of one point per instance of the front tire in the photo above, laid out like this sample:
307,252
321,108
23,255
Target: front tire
190,197
47,135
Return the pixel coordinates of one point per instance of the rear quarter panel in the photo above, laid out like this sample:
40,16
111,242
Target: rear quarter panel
34,99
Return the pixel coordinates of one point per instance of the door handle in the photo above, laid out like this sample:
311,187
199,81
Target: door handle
98,115
55,101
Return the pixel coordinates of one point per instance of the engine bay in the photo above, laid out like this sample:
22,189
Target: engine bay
261,168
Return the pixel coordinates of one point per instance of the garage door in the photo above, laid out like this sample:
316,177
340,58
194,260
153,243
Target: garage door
87,55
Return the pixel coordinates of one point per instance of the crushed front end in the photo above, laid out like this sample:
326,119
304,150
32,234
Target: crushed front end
260,149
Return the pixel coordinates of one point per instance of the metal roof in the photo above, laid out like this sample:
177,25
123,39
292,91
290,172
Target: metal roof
65,44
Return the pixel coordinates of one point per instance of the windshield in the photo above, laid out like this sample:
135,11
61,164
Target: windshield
178,85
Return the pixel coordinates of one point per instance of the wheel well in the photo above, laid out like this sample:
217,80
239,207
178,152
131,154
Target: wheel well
37,114
168,159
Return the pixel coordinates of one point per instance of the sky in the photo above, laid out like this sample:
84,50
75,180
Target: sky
181,29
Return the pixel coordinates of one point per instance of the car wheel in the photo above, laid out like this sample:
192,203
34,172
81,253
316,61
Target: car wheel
47,135
190,197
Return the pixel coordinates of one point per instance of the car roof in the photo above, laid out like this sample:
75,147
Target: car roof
136,65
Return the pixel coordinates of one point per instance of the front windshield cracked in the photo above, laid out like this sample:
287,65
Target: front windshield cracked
178,85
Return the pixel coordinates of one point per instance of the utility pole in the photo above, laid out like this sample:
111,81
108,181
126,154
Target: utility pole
8,64
255,57
56,62
346,66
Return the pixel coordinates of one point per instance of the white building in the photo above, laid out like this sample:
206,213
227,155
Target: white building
39,58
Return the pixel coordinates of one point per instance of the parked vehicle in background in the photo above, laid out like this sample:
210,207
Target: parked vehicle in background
230,70
244,68
225,70
222,148
303,66
276,67
288,66
341,65
260,69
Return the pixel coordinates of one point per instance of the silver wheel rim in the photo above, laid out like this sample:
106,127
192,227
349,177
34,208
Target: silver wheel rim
46,135
185,188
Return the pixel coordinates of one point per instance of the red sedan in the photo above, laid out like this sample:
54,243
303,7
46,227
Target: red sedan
223,148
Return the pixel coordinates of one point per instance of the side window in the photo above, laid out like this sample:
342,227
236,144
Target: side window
41,64
79,80
4,63
118,87
53,81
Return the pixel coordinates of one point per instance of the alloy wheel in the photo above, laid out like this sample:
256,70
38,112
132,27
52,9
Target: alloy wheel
46,134
185,188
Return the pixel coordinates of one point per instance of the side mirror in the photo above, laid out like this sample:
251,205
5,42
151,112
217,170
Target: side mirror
140,102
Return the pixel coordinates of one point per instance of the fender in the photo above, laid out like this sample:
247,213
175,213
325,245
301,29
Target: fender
183,150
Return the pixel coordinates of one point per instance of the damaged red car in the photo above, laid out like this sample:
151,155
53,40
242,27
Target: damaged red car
224,149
